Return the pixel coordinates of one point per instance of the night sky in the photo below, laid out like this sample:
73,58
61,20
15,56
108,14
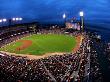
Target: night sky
96,11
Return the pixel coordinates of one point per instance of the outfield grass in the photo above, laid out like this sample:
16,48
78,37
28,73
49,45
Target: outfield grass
42,44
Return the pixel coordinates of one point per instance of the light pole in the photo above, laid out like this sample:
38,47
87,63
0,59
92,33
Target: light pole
64,17
82,20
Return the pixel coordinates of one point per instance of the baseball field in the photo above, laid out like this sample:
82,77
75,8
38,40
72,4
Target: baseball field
41,44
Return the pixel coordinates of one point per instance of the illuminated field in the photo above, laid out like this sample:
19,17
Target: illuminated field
41,44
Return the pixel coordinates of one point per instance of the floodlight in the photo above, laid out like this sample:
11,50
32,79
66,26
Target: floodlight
64,16
13,19
81,13
17,19
4,20
0,20
20,19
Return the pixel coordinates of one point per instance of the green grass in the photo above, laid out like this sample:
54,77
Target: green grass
42,44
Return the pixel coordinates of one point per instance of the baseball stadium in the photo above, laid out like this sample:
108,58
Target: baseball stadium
43,49
54,41
31,52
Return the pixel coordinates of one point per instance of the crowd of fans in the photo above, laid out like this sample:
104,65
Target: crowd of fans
108,51
10,37
96,74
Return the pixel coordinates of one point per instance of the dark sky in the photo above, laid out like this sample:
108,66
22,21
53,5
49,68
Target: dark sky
96,11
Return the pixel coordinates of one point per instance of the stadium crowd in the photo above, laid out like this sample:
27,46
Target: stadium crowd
11,37
108,51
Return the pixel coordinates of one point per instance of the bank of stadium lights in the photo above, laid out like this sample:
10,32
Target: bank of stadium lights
3,20
17,19
13,19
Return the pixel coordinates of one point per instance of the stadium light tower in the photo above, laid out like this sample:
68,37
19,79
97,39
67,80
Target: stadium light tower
64,17
81,13
82,19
